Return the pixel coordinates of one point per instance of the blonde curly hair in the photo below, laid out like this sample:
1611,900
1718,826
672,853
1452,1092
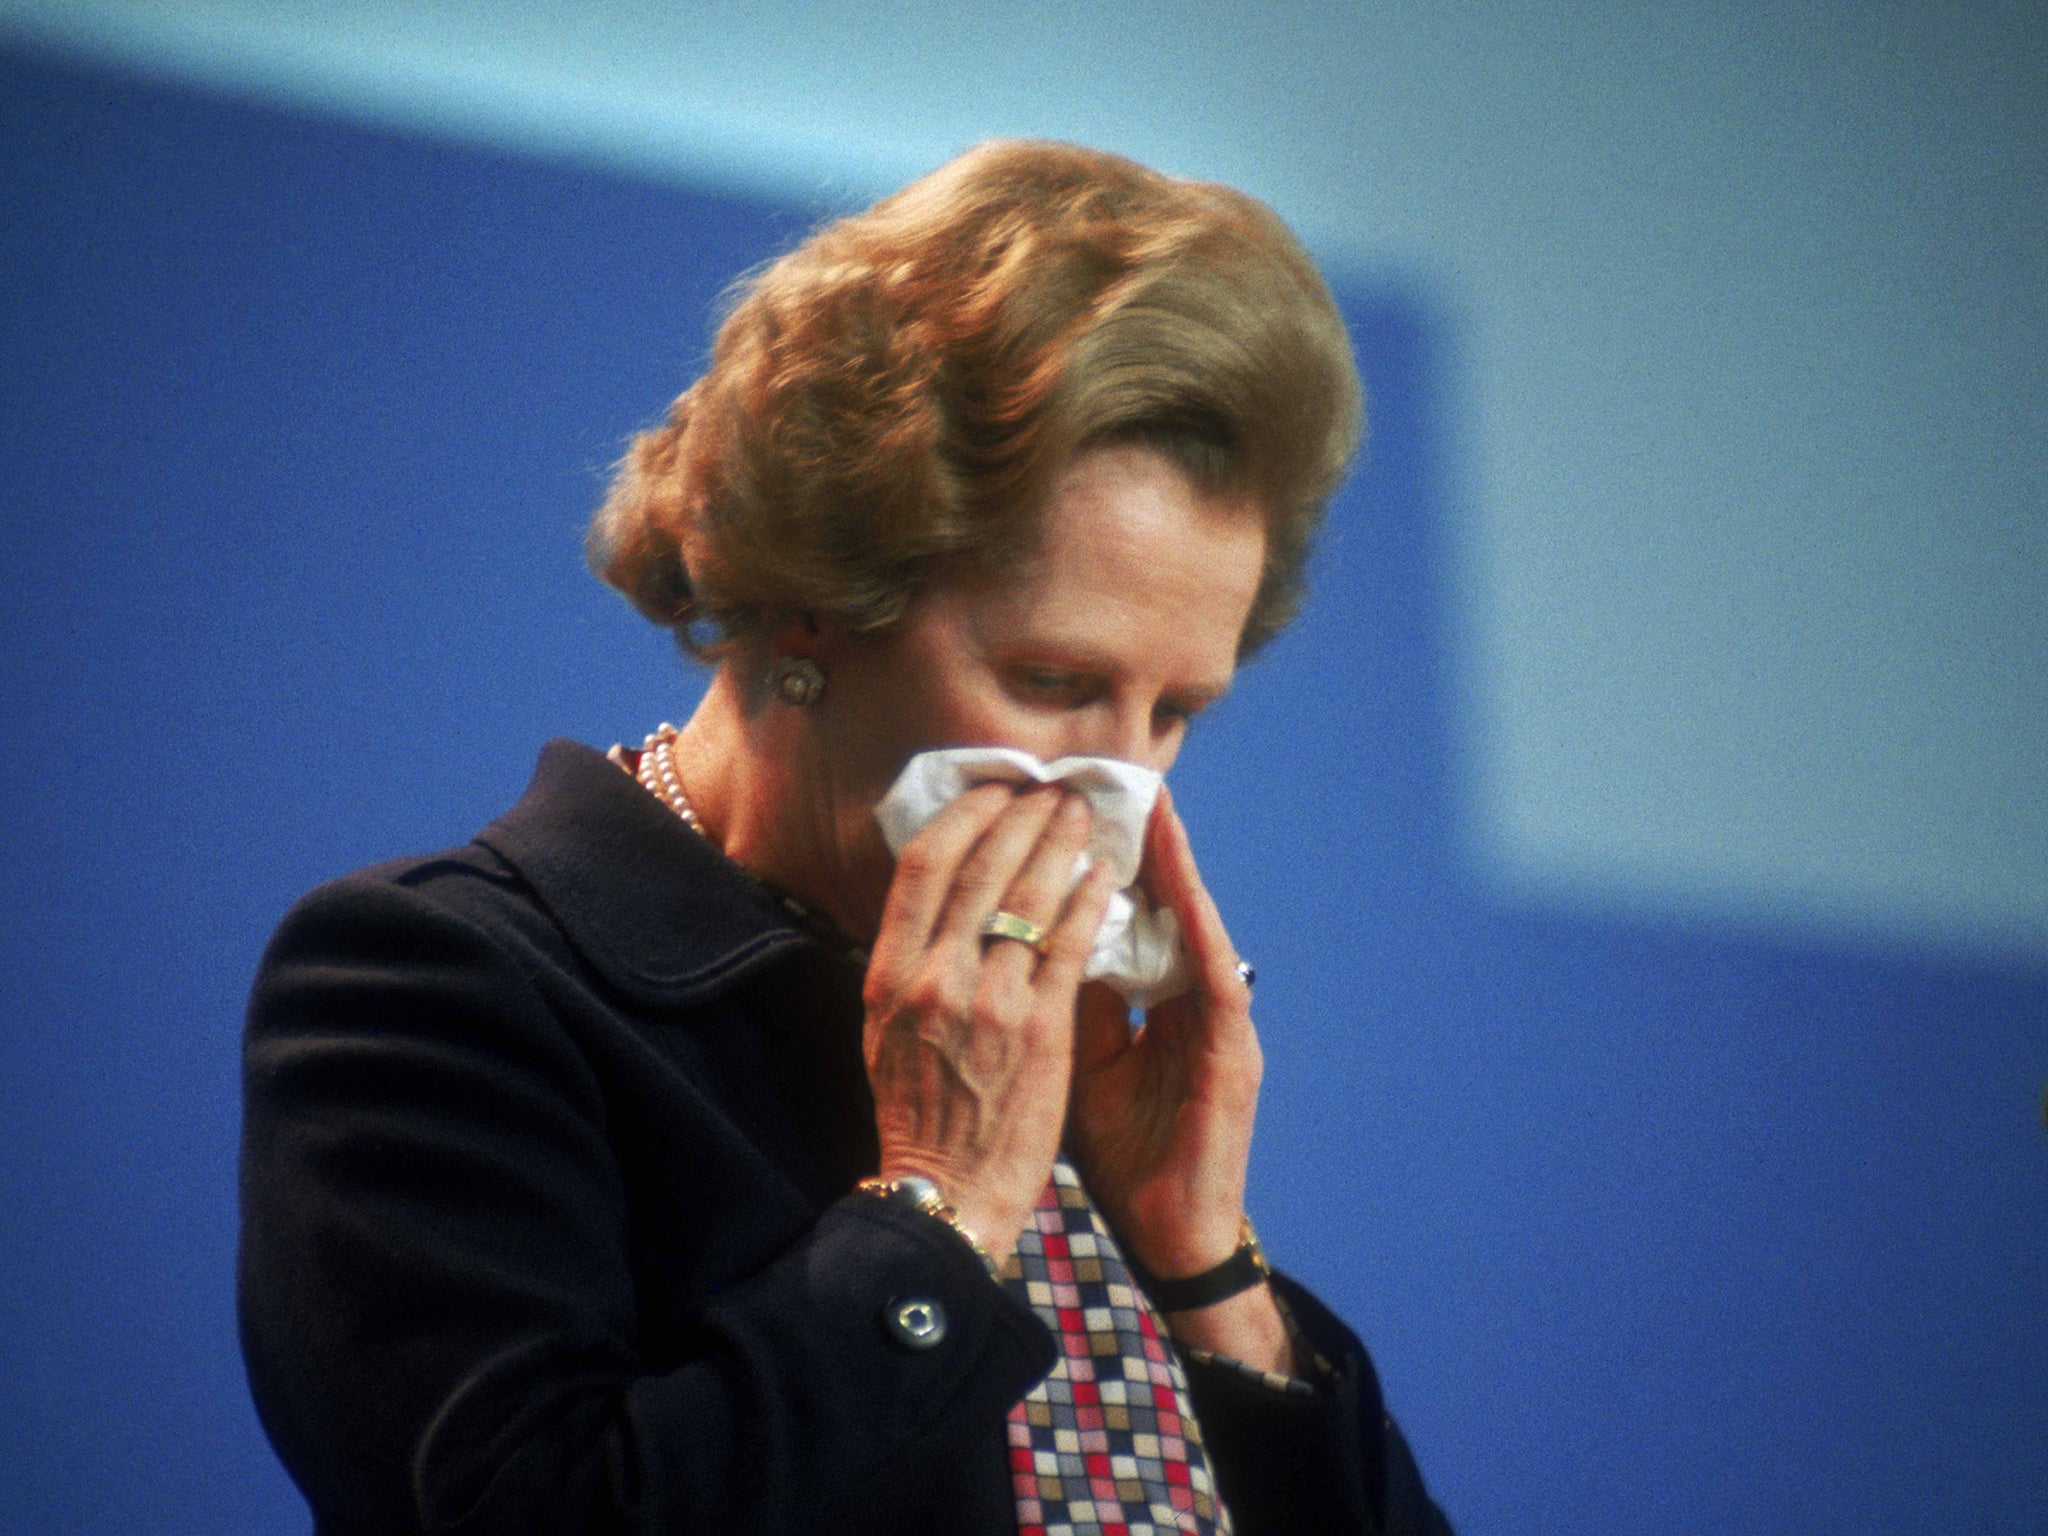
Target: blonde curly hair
899,391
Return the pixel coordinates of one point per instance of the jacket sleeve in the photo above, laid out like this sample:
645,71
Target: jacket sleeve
437,1298
1333,1462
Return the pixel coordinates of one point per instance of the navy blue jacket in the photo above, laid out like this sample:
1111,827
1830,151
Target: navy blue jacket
547,1223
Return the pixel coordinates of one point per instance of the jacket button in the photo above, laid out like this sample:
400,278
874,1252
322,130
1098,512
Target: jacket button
916,1322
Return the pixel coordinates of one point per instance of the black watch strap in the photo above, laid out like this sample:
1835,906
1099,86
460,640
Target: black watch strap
1244,1269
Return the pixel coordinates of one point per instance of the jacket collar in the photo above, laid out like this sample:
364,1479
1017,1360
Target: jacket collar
655,909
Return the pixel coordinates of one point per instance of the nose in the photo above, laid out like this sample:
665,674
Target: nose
1127,732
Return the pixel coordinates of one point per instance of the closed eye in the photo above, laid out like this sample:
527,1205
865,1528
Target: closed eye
1055,687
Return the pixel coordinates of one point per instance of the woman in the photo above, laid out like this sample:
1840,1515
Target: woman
675,1158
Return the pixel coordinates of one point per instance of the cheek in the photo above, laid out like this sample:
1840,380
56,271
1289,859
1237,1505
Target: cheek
928,687
911,709
975,710
985,717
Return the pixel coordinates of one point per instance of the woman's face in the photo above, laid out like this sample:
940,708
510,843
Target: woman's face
1106,642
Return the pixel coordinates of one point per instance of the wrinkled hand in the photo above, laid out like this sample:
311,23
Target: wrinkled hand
1161,1122
969,1042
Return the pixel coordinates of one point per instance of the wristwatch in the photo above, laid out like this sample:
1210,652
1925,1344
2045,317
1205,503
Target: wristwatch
1244,1269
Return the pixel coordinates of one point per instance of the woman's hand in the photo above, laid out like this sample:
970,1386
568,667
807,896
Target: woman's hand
970,1041
1161,1122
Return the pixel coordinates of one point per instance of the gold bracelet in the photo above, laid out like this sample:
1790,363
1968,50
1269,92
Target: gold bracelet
921,1194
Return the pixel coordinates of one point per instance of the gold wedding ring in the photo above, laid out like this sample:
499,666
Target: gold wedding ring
1008,925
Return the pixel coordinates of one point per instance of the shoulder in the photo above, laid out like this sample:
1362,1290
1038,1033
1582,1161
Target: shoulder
587,876
419,943
417,911
409,979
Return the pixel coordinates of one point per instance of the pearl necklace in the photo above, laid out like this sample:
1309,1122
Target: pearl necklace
659,778
657,775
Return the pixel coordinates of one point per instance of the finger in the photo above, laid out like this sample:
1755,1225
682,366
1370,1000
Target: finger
1102,1026
1038,893
1072,939
984,876
926,867
1178,883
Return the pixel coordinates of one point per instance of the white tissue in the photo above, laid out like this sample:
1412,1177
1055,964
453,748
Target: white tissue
1138,949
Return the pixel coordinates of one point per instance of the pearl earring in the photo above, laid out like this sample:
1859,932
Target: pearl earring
796,680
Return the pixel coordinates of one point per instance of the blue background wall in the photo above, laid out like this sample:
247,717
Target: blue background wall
1653,1224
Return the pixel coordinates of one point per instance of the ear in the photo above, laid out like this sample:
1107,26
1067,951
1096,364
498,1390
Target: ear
793,634
795,674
